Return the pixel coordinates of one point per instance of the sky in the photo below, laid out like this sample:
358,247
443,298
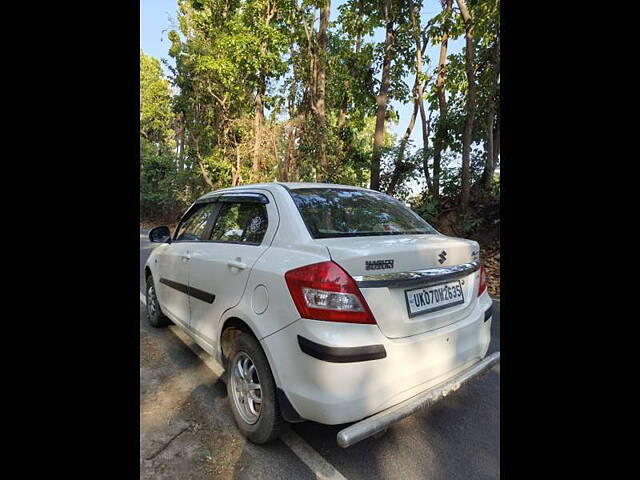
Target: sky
158,17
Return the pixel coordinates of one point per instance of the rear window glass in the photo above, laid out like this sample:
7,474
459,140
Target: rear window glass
353,213
240,223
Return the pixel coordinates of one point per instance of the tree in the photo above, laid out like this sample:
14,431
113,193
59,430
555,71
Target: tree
383,96
425,122
265,90
352,89
401,167
325,7
487,53
470,107
226,53
156,115
441,129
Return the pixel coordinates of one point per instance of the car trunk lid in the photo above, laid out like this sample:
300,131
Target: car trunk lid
387,266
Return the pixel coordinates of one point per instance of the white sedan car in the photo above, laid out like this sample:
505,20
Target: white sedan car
323,302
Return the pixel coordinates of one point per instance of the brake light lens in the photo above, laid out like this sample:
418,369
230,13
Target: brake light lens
324,291
483,281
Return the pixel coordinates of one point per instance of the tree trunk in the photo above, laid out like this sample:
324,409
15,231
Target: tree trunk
342,116
180,153
340,154
418,88
382,98
492,120
493,150
424,121
400,167
294,164
320,90
259,101
313,72
496,142
235,173
288,154
487,173
419,95
258,121
203,171
441,132
467,134
180,142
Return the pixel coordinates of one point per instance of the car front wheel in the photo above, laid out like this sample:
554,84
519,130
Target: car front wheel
155,316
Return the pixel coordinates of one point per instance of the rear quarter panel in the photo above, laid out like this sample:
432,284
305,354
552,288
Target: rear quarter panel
268,274
292,247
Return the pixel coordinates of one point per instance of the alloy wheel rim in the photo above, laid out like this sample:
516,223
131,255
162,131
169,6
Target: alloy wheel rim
246,388
151,302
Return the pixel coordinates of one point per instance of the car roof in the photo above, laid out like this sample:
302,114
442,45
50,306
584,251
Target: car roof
274,185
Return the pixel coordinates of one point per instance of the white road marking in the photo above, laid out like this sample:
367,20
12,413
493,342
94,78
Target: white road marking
322,469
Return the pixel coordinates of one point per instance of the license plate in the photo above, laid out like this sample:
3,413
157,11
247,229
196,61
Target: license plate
433,298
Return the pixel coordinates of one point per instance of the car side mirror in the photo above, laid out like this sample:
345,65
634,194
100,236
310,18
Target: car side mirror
160,235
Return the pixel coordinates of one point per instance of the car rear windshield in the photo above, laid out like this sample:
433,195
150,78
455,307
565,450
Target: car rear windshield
334,212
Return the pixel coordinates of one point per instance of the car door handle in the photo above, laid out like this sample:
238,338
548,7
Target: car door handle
237,264
186,258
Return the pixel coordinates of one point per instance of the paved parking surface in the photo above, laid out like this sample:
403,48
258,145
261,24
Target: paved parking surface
187,431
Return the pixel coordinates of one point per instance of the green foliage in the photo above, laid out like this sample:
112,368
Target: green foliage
165,192
427,209
494,190
239,105
156,114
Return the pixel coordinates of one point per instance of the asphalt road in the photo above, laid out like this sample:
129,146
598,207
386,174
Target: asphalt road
187,431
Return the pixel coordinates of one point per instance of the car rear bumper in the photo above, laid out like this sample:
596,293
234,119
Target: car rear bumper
338,373
380,421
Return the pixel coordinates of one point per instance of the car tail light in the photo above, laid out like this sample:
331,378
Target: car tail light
324,291
483,281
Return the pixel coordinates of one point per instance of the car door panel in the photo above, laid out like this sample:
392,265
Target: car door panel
173,263
173,280
222,268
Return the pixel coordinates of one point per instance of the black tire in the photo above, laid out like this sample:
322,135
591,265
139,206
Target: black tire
156,318
270,425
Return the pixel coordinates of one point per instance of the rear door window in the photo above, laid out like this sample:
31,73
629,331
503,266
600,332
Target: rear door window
240,223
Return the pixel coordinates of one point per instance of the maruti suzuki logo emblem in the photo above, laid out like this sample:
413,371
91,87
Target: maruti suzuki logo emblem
442,256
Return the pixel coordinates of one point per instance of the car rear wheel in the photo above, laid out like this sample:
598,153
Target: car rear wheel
155,316
252,391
